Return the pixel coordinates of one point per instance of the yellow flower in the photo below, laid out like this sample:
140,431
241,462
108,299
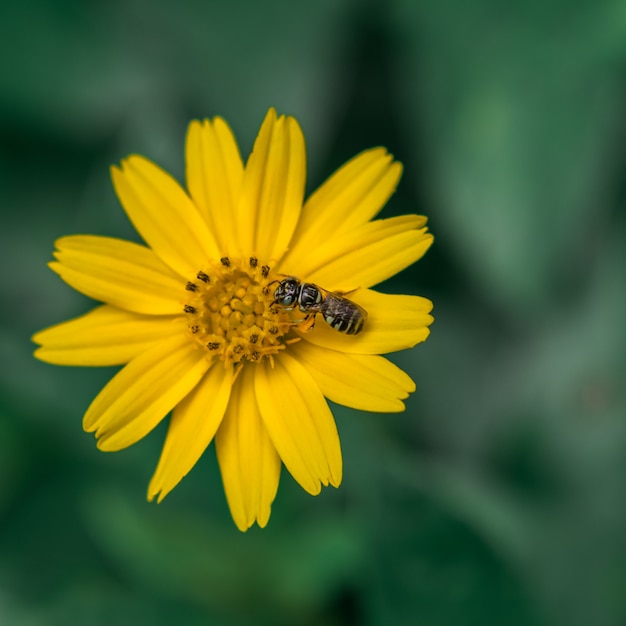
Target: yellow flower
195,318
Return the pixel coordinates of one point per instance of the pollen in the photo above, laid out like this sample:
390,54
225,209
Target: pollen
230,313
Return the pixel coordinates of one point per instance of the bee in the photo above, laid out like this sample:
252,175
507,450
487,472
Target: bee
338,312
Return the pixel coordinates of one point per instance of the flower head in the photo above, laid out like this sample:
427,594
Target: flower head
207,325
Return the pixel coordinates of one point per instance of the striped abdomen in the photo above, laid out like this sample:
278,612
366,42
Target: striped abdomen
343,314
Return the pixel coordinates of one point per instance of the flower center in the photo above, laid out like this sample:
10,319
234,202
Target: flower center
230,314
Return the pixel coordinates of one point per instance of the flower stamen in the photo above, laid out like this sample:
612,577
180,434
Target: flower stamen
230,312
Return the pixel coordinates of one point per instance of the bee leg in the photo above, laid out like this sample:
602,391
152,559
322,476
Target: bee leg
297,322
307,324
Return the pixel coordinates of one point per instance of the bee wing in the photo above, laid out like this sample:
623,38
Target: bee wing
346,293
341,295
361,309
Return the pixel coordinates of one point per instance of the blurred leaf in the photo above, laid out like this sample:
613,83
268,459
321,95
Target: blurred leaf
84,69
517,109
449,554
275,574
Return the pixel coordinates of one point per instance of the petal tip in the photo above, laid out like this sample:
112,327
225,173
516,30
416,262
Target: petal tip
39,353
270,117
157,492
103,442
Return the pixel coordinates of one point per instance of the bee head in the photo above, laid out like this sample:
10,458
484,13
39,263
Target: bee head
286,293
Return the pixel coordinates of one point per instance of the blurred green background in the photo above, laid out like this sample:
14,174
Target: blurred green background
498,496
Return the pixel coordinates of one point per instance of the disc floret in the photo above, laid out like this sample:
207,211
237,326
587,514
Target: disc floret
230,311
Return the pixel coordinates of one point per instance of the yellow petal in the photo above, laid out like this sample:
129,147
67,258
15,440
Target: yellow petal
372,263
118,272
104,336
144,392
248,461
360,381
394,322
214,172
353,195
273,188
164,215
334,247
283,190
299,423
247,209
192,427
